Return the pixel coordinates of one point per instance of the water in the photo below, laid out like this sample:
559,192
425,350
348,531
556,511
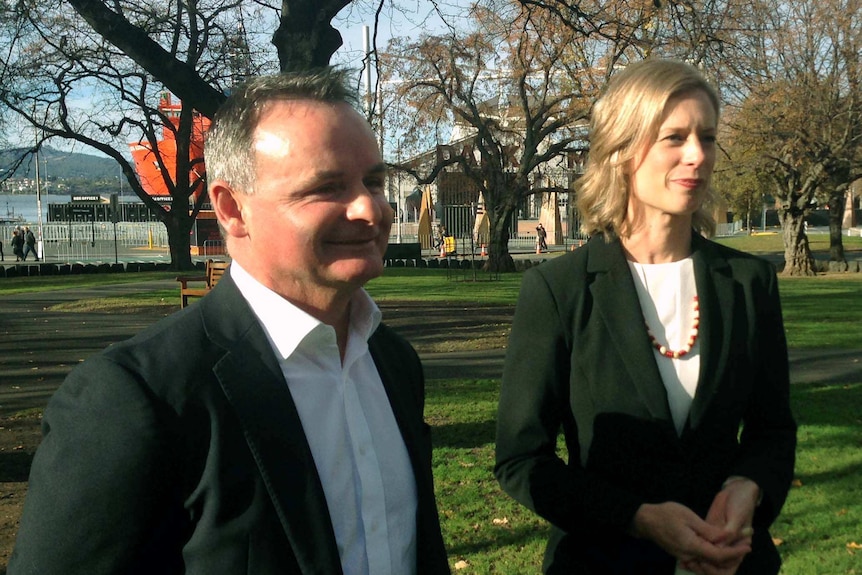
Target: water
25,205
14,205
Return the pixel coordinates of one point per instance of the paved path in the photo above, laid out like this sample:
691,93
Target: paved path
38,347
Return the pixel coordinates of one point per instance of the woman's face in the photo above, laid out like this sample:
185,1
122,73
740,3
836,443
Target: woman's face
673,174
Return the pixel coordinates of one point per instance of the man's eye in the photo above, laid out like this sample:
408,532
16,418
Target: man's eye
375,183
325,190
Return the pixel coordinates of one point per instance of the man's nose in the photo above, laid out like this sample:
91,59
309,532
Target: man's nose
366,205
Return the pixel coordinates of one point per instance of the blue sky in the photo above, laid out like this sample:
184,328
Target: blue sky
413,18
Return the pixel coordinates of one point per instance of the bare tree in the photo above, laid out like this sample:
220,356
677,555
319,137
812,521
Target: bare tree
119,57
509,97
521,81
66,81
304,38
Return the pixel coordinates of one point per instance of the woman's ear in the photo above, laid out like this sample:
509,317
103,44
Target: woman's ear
228,205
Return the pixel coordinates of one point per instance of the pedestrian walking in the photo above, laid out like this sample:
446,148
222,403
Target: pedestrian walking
18,244
29,244
541,238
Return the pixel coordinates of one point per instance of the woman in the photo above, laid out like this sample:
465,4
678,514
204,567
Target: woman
650,348
18,244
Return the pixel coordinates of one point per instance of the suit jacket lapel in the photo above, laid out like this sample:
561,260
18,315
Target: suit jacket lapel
717,295
617,301
402,389
402,402
253,383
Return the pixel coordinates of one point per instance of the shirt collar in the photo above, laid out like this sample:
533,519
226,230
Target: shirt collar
286,325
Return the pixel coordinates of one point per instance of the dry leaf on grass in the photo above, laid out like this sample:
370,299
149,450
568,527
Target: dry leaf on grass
461,565
503,521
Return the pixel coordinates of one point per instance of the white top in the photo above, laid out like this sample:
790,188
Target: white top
357,447
666,293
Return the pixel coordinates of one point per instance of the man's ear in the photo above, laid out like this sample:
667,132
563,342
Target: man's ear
228,207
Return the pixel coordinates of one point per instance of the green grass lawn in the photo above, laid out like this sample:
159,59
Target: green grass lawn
822,311
772,242
486,532
27,284
818,531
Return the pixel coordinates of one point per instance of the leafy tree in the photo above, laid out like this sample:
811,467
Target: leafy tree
835,191
798,74
517,88
519,84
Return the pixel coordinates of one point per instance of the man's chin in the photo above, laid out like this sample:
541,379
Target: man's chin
356,271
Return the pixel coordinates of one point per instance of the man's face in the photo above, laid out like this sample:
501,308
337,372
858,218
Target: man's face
318,218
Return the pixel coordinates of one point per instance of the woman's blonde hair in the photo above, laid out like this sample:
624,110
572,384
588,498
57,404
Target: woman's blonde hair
624,122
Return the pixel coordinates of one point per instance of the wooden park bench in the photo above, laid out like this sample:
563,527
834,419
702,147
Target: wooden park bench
213,273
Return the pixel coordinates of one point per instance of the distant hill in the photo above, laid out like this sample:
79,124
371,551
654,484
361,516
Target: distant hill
60,164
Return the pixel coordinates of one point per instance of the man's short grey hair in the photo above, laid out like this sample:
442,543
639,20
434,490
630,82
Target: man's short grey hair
229,145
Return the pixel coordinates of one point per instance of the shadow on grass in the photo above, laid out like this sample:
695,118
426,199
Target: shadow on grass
15,466
464,435
516,537
828,404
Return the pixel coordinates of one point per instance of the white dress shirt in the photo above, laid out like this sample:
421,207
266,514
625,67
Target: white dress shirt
666,293
357,446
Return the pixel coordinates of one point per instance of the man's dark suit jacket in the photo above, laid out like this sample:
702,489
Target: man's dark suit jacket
181,451
579,359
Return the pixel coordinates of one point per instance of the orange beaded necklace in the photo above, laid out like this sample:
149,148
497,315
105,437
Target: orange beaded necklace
692,337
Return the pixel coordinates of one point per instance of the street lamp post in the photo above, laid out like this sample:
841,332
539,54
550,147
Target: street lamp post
40,251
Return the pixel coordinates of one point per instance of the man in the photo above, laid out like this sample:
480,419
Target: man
541,238
273,427
29,244
18,244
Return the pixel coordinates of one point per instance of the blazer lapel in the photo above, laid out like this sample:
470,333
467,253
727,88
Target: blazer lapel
402,402
616,299
253,383
717,296
403,389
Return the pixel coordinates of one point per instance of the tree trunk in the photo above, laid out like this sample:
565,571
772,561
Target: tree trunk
305,37
499,258
797,252
836,214
179,241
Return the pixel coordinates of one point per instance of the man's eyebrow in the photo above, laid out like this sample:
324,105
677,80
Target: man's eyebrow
324,175
380,168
